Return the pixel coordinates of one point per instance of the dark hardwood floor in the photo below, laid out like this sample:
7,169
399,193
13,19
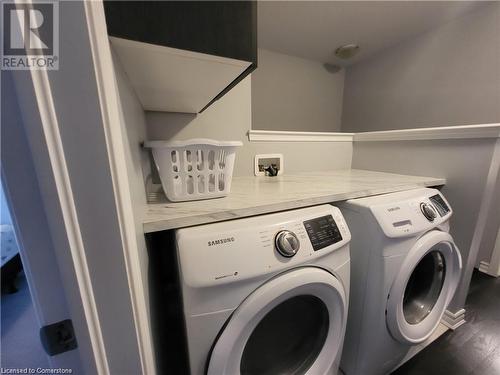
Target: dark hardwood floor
474,348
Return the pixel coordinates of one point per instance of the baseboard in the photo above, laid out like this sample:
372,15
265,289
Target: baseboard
484,267
453,320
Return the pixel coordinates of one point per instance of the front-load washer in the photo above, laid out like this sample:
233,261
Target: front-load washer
405,268
266,294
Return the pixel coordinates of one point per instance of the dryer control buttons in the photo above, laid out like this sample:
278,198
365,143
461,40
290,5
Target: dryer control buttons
428,211
287,243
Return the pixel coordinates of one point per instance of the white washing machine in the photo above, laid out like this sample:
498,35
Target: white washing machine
405,268
267,294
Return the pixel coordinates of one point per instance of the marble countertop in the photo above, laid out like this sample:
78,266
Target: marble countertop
259,195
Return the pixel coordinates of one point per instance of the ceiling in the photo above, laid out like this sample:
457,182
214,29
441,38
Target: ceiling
314,29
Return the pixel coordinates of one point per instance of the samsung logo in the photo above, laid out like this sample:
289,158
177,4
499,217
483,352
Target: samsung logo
221,241
393,209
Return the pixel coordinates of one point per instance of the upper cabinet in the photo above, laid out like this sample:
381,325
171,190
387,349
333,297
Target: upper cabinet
181,56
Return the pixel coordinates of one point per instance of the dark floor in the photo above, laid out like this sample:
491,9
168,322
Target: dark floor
20,344
474,348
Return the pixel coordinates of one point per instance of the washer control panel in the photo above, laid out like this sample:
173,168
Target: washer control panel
322,232
244,248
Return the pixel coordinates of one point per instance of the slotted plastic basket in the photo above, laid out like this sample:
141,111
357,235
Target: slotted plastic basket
194,169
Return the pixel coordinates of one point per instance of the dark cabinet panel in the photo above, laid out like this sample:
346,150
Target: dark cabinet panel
221,28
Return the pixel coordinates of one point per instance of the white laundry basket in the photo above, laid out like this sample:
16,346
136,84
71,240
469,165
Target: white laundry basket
194,169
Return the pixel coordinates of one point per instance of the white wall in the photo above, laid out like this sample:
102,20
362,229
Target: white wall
447,76
292,93
230,118
463,162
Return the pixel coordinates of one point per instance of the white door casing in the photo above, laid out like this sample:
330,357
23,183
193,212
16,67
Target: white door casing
227,352
115,143
25,194
67,138
398,326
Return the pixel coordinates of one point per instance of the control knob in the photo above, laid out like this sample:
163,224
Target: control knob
428,211
287,243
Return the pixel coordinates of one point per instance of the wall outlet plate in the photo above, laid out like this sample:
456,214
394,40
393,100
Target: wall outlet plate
262,161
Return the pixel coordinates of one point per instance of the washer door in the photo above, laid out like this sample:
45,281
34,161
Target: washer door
423,287
293,324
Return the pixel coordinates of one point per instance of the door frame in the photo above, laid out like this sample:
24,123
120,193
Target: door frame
85,196
494,266
130,226
51,196
24,194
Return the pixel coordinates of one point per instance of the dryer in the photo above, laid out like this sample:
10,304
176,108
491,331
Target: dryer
267,294
405,268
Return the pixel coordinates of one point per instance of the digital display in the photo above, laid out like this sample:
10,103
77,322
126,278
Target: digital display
440,204
322,232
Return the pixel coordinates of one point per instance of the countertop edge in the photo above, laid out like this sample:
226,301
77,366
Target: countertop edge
231,214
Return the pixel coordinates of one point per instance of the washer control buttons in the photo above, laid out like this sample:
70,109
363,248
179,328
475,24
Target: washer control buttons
287,243
428,211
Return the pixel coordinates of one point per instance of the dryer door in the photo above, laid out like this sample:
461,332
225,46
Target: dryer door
423,287
293,324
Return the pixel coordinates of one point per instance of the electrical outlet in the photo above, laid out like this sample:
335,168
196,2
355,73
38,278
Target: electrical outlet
263,161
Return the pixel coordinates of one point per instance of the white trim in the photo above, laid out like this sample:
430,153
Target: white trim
49,122
494,265
415,134
37,223
484,266
453,320
289,136
444,132
492,268
484,211
108,100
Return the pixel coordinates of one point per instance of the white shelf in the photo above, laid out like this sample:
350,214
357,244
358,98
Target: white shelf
174,80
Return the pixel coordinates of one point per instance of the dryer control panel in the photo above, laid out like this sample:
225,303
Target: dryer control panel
239,249
410,212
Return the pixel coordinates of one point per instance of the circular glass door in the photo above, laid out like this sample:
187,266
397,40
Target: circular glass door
293,324
426,282
424,287
288,339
